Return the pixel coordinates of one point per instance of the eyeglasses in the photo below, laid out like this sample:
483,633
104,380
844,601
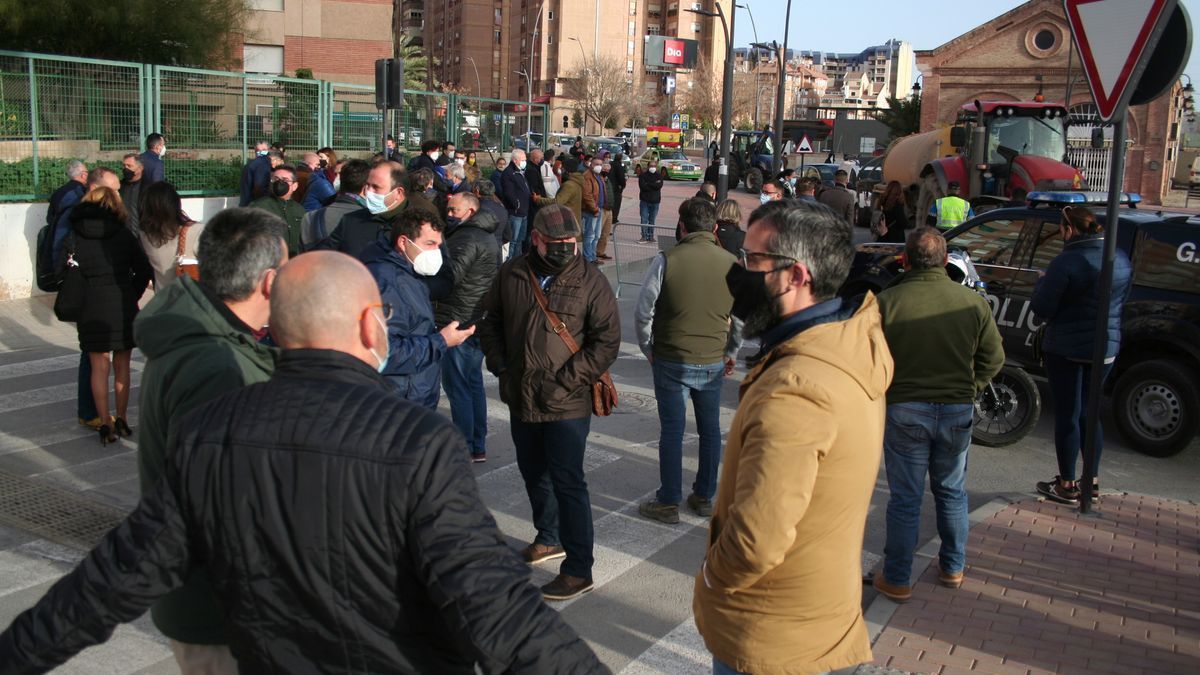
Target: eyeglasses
744,257
384,308
282,180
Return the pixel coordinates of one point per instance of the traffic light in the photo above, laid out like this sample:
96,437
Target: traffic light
389,83
566,121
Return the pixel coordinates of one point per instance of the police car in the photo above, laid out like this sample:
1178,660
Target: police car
1153,385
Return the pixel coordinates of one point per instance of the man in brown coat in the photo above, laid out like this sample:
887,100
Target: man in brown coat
839,197
570,194
548,385
780,589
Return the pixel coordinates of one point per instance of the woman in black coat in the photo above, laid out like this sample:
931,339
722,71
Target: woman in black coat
116,272
893,207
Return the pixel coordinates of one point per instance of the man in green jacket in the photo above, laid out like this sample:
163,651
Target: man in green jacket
198,338
279,201
946,348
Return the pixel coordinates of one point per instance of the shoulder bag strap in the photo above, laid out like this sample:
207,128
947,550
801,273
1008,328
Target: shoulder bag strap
556,324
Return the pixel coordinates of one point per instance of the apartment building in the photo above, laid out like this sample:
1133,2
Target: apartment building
527,49
337,40
886,68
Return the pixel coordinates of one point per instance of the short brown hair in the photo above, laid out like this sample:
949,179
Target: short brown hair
925,249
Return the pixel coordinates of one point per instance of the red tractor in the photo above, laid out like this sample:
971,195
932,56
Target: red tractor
993,148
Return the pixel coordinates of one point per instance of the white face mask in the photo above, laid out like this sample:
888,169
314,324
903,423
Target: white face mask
654,169
434,155
427,263
597,169
387,346
162,151
337,183
449,154
460,160
521,165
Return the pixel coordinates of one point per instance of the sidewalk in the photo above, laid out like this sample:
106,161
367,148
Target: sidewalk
1048,590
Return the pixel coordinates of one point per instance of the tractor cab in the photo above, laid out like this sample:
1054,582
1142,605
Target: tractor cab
752,153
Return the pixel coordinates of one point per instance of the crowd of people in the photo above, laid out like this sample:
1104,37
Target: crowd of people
305,508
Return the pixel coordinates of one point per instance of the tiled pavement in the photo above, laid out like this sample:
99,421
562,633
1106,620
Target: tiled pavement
1048,590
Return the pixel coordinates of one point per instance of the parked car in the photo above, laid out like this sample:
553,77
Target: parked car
673,164
594,144
824,173
1154,382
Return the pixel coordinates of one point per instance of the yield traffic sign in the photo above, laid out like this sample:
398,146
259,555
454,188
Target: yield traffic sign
1114,38
804,147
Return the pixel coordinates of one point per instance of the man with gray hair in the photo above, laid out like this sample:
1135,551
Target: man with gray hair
801,456
200,339
947,349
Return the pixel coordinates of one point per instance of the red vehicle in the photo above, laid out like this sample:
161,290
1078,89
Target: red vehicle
993,148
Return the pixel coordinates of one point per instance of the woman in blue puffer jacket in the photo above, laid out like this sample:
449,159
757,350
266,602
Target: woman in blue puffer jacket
1067,299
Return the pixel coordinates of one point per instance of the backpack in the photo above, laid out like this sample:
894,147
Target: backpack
48,278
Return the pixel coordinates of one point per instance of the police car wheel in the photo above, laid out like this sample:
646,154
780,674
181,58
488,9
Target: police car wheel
1007,409
1157,407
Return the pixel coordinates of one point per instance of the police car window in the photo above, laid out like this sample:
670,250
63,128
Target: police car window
991,242
1048,245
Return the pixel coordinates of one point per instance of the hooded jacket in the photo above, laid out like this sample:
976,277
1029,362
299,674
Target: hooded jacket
474,257
196,350
115,271
570,195
540,379
415,348
343,529
780,590
359,229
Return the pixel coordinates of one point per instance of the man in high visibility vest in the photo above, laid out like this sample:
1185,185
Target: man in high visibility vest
950,211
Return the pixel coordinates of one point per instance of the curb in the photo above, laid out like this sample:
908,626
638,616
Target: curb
881,609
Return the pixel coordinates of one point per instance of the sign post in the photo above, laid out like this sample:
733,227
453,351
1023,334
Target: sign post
1115,39
804,147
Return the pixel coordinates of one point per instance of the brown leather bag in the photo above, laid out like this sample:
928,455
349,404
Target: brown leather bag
191,269
604,392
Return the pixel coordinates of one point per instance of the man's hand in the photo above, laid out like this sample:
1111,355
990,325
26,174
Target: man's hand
729,364
455,337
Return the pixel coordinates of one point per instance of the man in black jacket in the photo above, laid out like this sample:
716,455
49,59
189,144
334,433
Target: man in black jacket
474,259
340,524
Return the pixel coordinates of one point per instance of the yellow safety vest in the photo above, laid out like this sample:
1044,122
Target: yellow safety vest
951,212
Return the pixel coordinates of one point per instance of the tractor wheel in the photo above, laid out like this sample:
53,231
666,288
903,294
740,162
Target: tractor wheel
754,181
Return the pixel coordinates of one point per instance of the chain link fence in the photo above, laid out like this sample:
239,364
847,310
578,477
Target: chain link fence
54,109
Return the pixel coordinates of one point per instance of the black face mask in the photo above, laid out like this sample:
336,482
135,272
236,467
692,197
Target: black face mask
559,254
279,188
126,175
752,302
323,163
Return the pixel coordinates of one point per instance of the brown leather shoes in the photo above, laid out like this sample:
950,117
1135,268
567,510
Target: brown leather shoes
950,579
890,591
565,587
536,553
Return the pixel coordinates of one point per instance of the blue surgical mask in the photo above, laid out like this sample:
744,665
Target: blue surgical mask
376,203
262,153
764,198
387,346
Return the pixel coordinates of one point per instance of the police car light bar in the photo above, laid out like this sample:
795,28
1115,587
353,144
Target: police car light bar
1068,198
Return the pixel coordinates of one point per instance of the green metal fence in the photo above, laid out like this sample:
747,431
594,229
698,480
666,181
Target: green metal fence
54,109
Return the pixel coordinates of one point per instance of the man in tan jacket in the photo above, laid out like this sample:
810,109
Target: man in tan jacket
780,589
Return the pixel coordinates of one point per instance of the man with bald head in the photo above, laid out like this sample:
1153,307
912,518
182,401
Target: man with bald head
320,190
340,524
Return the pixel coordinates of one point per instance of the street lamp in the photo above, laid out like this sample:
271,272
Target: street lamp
537,24
528,106
726,97
586,70
778,164
758,90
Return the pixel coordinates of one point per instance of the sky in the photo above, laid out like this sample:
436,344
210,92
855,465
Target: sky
854,25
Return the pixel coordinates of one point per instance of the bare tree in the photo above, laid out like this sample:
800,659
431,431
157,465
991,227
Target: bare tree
703,101
600,87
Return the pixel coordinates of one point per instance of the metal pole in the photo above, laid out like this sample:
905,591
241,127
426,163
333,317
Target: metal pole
537,24
33,123
726,105
1116,181
778,163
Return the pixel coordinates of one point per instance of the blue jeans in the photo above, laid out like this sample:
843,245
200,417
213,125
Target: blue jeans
1069,382
925,438
462,378
702,383
591,235
550,457
85,402
722,668
517,224
648,212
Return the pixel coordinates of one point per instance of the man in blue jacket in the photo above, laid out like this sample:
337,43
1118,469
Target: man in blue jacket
152,164
256,174
516,197
416,346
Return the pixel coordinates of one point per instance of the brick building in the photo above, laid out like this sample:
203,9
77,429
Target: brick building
1025,51
338,40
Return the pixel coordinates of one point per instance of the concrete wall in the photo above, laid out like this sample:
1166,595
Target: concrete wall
19,225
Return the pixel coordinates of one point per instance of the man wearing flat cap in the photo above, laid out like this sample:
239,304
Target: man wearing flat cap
547,383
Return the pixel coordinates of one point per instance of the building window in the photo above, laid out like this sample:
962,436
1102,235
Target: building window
265,5
549,39
265,59
1044,40
653,29
496,35
630,51
695,27
550,15
629,66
